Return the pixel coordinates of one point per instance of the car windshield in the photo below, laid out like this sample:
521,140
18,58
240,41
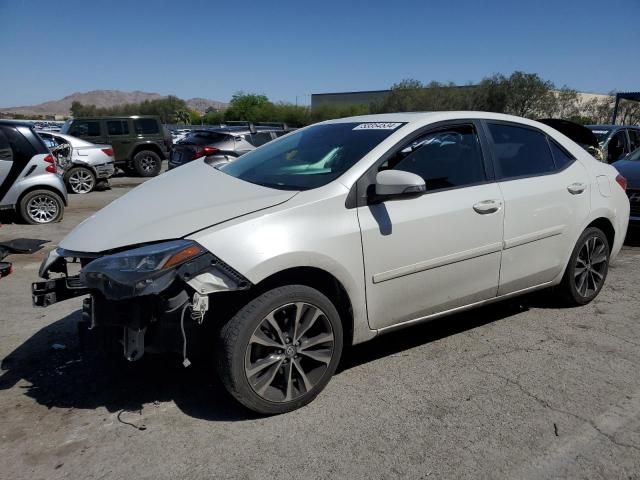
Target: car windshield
601,134
310,158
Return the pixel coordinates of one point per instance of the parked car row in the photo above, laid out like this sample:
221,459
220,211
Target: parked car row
223,144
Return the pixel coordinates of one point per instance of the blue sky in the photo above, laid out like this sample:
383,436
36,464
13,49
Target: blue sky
286,49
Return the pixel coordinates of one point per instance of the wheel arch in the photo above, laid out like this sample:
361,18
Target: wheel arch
607,228
39,187
321,280
146,146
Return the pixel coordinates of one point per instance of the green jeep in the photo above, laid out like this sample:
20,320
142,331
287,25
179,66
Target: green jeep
139,142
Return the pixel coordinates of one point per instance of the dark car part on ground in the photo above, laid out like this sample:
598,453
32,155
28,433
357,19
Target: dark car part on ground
17,246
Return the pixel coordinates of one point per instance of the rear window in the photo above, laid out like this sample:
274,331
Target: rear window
117,127
204,138
146,126
520,151
84,128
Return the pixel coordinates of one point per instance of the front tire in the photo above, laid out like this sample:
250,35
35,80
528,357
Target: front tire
280,350
39,207
587,269
147,163
80,180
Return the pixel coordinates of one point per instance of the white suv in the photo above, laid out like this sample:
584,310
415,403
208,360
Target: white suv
339,232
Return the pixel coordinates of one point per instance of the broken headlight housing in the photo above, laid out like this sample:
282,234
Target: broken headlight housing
140,271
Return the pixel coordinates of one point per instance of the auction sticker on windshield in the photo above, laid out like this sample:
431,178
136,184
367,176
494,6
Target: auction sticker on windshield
378,126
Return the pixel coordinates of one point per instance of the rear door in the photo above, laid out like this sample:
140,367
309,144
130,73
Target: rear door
119,137
546,196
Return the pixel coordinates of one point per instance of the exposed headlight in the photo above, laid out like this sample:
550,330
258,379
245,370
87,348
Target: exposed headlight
139,271
151,258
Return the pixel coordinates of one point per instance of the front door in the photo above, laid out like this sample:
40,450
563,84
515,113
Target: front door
441,250
6,162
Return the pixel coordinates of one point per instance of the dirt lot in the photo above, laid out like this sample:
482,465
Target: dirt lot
518,390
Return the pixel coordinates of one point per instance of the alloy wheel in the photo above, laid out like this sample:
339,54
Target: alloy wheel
148,163
81,181
42,209
590,267
289,352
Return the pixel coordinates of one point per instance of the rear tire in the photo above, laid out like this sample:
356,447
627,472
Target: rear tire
587,269
147,163
80,180
280,350
40,207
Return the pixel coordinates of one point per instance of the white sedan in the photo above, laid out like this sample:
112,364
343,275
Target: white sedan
337,233
83,163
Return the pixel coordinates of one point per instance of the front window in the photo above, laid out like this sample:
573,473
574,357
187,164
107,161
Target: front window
310,158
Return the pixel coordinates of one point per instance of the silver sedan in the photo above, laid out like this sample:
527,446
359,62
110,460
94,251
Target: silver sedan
83,163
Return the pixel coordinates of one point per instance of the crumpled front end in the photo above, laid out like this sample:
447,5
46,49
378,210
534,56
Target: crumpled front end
148,298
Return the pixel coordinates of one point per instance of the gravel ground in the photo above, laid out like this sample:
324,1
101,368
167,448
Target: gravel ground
517,390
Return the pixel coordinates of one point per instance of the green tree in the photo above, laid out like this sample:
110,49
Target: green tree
182,116
528,95
248,106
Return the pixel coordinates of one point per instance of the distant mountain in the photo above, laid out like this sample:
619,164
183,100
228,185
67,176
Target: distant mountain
106,98
203,104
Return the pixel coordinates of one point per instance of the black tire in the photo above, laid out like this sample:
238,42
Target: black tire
234,349
28,206
80,180
582,281
147,163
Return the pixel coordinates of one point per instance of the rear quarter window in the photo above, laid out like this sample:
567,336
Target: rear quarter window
85,128
146,126
560,156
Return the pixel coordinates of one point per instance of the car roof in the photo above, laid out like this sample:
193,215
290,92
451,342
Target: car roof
417,119
115,117
235,130
16,123
612,127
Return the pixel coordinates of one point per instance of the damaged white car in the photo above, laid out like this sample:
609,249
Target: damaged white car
334,234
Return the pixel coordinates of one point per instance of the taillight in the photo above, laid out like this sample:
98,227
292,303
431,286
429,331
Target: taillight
108,151
622,182
51,168
204,152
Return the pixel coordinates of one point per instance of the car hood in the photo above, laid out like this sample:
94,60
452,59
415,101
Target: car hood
170,206
630,169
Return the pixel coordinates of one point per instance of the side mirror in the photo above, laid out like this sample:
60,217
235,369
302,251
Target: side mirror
396,183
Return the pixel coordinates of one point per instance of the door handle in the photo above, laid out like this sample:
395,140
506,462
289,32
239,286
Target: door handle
576,188
487,206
